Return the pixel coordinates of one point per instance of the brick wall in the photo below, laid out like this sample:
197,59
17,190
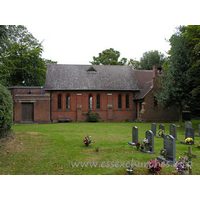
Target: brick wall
41,103
79,105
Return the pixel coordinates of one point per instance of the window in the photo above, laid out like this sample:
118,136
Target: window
98,101
90,101
127,101
67,101
59,101
119,101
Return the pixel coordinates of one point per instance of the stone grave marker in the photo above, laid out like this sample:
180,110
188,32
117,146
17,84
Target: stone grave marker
162,127
134,136
153,128
173,131
199,132
189,134
149,147
190,156
169,146
187,125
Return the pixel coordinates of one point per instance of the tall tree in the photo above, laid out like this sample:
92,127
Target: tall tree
192,32
21,62
108,57
176,82
151,58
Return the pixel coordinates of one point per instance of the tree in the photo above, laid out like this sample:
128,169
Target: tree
176,82
134,64
151,58
6,110
192,32
20,61
108,57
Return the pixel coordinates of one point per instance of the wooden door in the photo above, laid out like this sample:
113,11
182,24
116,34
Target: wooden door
27,112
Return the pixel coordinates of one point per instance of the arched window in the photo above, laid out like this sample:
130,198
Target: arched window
59,101
98,101
68,101
90,101
127,101
119,101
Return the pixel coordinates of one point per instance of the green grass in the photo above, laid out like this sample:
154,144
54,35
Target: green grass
51,148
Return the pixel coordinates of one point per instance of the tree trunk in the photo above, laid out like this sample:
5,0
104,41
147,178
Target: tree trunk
180,115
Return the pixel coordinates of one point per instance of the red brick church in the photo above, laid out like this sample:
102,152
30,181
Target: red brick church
116,93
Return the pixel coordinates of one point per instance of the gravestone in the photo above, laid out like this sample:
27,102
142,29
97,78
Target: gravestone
134,136
149,135
162,127
189,133
199,132
169,146
153,128
187,125
173,131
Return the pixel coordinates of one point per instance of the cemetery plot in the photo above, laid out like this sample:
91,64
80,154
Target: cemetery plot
187,125
189,137
168,152
173,131
134,136
153,128
161,132
148,143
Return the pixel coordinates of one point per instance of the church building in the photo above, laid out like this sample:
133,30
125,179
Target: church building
116,93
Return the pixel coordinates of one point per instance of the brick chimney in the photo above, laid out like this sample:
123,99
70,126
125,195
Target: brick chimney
157,69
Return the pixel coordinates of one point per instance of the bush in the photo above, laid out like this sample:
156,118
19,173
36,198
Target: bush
6,111
92,117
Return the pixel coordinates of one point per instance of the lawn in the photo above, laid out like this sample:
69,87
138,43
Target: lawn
54,149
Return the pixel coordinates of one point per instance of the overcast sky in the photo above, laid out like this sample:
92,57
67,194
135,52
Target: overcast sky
74,31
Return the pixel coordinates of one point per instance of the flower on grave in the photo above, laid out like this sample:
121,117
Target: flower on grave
87,140
189,140
145,141
161,133
163,152
154,166
197,143
137,145
181,165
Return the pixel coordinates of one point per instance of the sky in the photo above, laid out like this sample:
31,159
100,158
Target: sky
72,32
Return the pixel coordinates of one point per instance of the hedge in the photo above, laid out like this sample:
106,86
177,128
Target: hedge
6,111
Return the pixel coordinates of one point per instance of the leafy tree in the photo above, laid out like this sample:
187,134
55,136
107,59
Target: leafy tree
176,82
108,57
151,58
192,32
134,64
6,110
20,61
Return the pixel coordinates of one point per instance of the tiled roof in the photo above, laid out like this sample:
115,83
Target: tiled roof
90,77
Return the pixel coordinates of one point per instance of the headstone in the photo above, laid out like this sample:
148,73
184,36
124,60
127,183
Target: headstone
173,131
153,128
149,135
187,125
162,127
189,134
190,156
134,136
169,146
199,132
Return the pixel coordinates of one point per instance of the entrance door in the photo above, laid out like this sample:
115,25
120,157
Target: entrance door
27,112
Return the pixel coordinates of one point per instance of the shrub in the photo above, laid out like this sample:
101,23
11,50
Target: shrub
92,117
6,111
